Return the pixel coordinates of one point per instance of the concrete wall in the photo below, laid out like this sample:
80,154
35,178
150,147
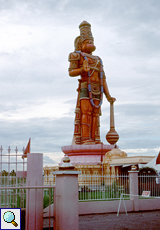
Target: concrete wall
99,207
149,204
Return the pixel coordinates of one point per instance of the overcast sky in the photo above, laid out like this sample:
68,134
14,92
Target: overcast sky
37,96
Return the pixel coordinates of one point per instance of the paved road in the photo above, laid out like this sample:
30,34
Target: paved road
134,221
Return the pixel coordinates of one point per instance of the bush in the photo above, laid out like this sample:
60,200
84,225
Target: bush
147,171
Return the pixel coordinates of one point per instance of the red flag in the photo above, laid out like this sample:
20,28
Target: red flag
27,149
158,159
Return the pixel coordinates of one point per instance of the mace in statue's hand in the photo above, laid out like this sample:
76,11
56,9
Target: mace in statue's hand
111,99
86,67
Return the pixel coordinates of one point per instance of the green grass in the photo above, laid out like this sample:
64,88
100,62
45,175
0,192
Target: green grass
48,197
19,199
99,195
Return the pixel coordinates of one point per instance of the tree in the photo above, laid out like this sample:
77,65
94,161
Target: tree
147,171
12,173
4,173
147,180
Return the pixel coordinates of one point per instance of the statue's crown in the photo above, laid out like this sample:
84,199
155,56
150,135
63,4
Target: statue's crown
85,31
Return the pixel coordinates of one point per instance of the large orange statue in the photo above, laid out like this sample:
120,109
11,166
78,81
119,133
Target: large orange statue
92,85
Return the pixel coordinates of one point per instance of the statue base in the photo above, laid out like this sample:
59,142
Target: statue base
86,154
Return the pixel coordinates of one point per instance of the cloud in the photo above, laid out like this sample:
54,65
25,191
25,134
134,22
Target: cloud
142,152
47,160
47,135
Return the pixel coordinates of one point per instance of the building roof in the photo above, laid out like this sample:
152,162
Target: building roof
131,160
152,164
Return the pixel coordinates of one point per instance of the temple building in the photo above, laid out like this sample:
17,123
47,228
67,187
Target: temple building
115,162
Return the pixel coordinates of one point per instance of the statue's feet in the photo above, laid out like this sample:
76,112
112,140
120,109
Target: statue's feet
98,142
88,142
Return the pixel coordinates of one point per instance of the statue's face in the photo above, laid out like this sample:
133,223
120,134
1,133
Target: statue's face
88,46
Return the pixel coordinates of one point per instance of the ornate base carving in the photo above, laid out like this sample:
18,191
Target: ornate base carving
89,154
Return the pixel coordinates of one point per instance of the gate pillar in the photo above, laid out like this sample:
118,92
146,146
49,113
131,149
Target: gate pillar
133,178
34,197
66,197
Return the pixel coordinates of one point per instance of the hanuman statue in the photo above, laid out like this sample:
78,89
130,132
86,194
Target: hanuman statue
92,85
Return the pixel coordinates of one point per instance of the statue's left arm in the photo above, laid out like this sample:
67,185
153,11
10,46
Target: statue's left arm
106,91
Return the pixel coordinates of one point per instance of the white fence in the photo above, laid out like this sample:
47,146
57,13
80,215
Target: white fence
102,187
15,197
49,180
13,191
11,162
18,190
149,183
94,187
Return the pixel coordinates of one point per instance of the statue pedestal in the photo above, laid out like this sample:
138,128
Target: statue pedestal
86,154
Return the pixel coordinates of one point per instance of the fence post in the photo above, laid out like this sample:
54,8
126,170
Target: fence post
133,178
34,197
66,197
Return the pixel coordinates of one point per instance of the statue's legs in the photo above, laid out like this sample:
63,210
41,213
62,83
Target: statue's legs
86,119
95,120
89,120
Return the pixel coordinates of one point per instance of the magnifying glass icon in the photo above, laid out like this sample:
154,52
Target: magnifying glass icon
9,217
